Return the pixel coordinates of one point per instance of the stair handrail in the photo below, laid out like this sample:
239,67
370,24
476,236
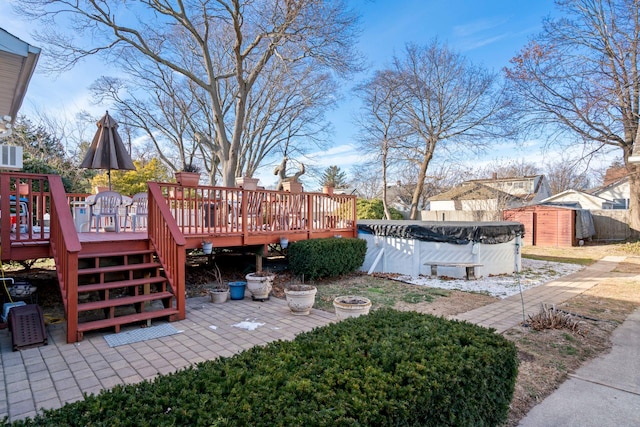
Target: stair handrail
169,244
64,248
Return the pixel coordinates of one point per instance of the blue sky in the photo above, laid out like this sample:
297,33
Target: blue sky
488,32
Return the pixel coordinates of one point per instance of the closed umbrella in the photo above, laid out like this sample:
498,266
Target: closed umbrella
107,150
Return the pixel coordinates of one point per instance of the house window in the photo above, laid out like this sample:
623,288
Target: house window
620,204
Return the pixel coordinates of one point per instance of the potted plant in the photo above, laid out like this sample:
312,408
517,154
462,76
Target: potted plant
260,284
351,306
189,176
219,292
207,247
300,298
328,189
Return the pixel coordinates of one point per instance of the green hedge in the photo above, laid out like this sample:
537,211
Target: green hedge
330,257
374,209
389,368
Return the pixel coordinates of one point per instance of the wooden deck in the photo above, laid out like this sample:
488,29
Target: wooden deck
151,260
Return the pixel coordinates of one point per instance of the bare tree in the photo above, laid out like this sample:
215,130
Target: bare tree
383,99
448,105
365,178
579,77
508,169
222,47
565,174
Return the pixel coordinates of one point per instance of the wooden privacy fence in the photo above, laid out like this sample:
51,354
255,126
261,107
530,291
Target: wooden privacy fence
610,224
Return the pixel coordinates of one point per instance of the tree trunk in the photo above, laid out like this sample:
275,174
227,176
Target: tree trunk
415,199
634,202
385,150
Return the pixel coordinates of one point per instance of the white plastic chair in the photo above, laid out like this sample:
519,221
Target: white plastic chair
106,205
139,210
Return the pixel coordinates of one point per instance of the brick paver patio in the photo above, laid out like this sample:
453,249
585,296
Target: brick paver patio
49,376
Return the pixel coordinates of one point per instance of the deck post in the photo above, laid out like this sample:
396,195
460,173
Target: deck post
259,254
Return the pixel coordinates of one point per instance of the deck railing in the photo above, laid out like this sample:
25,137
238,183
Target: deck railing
65,247
211,211
168,243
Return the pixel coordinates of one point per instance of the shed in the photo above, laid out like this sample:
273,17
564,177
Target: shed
559,226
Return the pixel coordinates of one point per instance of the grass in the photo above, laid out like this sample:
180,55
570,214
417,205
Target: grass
382,292
568,260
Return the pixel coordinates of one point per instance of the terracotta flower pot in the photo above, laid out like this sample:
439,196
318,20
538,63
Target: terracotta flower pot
247,183
23,189
292,186
188,179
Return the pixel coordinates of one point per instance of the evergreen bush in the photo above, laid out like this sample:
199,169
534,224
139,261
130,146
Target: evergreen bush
388,368
316,258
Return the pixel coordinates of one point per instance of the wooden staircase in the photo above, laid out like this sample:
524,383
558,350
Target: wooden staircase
118,287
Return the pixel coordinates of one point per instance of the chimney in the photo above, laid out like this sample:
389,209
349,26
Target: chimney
398,183
494,176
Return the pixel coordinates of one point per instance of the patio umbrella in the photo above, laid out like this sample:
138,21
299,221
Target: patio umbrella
107,150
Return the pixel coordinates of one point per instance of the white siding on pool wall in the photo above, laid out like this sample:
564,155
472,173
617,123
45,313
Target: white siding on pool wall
408,256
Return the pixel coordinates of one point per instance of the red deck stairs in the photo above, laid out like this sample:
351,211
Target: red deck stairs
119,286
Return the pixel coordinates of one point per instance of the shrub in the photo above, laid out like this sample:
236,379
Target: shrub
387,368
373,209
329,257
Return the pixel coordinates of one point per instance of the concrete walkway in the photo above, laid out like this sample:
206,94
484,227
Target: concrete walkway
49,376
603,393
507,313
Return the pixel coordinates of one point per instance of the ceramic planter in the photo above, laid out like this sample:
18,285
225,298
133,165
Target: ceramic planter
300,299
207,247
327,190
259,285
219,296
351,306
236,290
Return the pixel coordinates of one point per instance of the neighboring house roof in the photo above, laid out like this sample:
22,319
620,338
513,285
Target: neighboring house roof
472,191
610,186
575,199
17,62
351,191
526,194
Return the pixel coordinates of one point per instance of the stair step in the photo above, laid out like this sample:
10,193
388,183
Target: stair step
114,254
116,302
117,268
120,284
124,320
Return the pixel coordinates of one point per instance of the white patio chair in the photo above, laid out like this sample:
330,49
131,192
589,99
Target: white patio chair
139,210
106,205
